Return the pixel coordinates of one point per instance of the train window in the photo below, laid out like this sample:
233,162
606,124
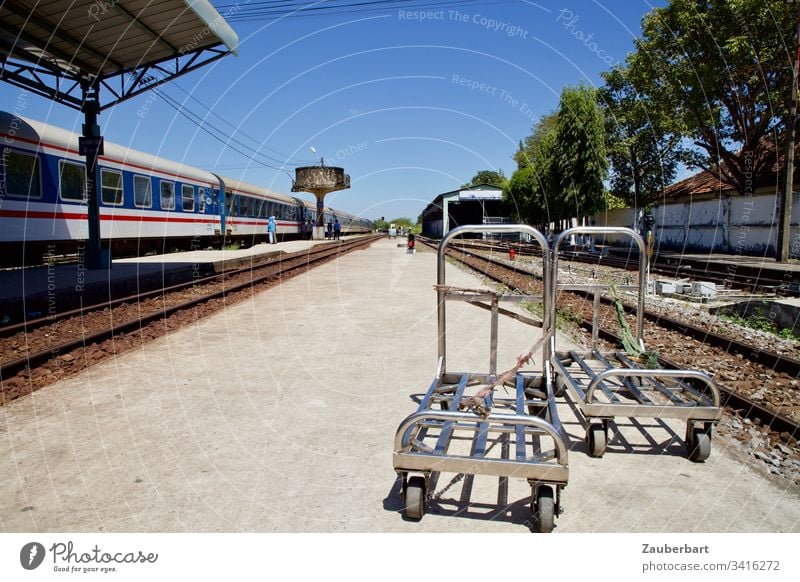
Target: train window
230,201
111,182
262,207
187,197
72,181
142,192
167,195
22,174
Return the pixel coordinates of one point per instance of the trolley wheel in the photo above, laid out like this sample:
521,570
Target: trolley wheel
596,440
415,498
699,445
545,509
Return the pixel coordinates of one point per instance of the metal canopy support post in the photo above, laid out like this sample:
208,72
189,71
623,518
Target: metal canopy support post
91,147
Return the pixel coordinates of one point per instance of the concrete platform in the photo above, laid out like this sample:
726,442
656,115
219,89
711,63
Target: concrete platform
37,292
279,414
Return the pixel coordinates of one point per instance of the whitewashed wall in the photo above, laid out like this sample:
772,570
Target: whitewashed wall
743,225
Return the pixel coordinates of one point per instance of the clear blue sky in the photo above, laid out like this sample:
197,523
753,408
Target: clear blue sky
411,108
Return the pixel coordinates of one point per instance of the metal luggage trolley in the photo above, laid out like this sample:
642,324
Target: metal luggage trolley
604,385
441,438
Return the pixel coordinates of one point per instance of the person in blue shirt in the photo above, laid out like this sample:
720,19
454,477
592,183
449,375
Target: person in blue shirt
337,229
271,228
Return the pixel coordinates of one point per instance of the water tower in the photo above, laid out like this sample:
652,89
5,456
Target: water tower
319,180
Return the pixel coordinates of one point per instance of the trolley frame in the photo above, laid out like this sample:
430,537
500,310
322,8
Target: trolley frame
528,422
604,385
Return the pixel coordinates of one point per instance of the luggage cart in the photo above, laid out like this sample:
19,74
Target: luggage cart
515,436
604,385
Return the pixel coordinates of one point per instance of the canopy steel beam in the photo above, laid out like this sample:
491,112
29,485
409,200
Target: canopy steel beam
50,82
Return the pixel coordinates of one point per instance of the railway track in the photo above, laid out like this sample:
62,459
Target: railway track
734,278
36,353
742,370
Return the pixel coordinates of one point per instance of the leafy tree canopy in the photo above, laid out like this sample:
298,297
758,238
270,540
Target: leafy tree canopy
491,177
722,69
643,144
579,162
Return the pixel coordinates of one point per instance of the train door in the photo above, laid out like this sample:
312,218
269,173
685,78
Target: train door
218,206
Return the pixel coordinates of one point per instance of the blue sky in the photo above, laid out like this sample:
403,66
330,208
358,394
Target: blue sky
410,106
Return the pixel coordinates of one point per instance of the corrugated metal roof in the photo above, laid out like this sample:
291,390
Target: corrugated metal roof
106,37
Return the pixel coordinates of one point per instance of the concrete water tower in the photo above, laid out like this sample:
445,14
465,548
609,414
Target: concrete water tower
319,180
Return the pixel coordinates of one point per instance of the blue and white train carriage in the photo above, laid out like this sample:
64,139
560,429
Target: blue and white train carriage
147,203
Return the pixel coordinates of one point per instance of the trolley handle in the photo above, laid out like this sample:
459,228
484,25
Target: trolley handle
622,230
403,436
549,319
652,373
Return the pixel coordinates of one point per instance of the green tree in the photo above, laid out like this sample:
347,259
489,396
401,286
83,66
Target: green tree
579,162
531,148
530,193
722,70
643,145
402,221
488,177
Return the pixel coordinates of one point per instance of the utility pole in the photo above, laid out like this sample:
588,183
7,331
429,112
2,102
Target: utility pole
785,219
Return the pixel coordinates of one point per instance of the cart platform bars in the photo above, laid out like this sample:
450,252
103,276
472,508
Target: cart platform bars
604,385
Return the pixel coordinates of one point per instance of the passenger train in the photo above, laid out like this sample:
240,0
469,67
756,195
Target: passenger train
147,203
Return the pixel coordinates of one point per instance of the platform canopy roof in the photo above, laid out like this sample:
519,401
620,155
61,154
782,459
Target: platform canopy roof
121,48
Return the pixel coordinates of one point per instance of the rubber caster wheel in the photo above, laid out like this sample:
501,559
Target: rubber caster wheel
699,446
545,509
596,440
415,498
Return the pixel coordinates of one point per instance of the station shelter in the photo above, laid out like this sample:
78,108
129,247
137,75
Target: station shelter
479,204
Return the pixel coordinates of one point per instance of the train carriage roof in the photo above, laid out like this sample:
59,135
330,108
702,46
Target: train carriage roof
240,187
32,132
27,133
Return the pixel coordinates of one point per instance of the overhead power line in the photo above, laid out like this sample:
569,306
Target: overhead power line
276,9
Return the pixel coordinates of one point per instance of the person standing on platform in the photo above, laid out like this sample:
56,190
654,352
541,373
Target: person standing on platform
271,228
337,229
310,229
330,231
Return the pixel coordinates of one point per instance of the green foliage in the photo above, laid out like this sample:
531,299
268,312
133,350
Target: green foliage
562,164
530,193
402,221
379,224
488,177
580,162
613,201
643,144
759,321
721,69
538,143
